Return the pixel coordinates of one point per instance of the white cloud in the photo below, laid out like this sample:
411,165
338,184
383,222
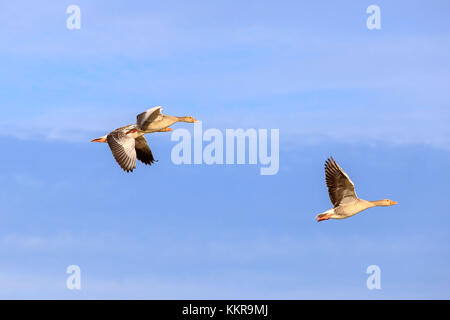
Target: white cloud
428,126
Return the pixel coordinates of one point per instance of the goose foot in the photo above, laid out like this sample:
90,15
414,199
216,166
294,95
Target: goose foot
325,217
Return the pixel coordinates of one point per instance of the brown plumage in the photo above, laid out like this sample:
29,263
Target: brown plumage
143,152
128,143
125,148
340,187
343,196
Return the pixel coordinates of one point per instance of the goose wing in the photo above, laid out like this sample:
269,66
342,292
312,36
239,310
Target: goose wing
145,118
143,152
340,188
123,149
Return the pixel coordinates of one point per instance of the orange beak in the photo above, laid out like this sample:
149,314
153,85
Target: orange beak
99,140
166,130
393,202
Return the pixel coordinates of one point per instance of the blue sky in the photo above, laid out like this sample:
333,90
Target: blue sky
377,101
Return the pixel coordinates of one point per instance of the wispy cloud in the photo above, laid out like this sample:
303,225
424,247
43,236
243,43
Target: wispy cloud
354,86
310,69
354,125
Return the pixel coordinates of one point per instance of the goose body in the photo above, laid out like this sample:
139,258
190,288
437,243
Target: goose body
128,143
343,196
153,120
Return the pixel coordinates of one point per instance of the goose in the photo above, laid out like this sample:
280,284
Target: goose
343,196
128,142
153,120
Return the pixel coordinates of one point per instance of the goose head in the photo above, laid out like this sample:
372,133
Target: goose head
386,203
189,119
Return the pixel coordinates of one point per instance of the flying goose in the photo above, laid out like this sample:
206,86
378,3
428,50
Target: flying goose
343,196
128,143
153,120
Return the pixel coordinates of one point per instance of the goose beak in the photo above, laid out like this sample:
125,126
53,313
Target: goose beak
393,202
99,140
166,130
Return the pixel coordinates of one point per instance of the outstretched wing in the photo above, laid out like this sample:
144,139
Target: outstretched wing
340,188
145,118
143,151
123,149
